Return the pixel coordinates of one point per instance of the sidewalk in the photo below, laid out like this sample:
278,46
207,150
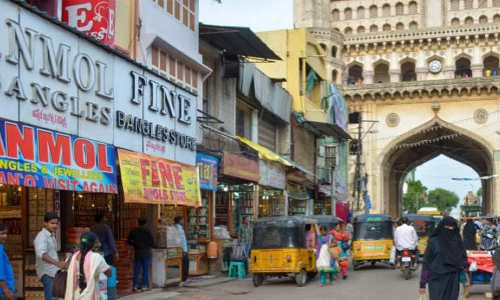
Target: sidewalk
160,294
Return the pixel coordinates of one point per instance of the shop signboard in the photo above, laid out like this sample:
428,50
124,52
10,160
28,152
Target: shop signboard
208,168
58,79
35,157
152,180
272,174
94,17
240,167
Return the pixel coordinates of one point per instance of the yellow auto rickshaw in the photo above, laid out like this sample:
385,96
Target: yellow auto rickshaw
279,249
372,240
424,226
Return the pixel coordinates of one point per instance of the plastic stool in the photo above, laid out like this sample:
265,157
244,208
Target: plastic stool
237,269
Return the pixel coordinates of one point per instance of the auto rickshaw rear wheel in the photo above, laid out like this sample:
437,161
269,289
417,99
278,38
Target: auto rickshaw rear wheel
312,275
301,278
355,265
257,279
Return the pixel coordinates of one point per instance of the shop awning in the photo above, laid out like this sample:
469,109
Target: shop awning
329,129
236,41
265,153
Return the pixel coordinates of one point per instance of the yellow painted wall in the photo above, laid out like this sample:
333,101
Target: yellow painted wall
293,46
124,32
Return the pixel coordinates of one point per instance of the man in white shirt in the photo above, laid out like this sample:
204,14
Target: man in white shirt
406,238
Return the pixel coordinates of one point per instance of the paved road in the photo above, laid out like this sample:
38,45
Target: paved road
371,283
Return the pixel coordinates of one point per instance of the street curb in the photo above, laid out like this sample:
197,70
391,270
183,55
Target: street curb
209,282
143,294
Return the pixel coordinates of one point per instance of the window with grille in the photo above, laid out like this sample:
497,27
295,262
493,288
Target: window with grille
361,12
496,3
454,5
482,3
413,25
386,10
335,15
483,20
348,30
183,10
387,27
496,18
469,21
399,9
361,29
413,8
373,28
468,4
175,70
373,11
348,14
455,22
400,26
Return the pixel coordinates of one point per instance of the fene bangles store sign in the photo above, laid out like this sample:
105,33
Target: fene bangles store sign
56,79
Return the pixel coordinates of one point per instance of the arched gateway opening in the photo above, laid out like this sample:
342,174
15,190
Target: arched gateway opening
425,143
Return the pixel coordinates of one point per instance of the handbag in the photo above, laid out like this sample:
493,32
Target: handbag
334,251
60,279
239,254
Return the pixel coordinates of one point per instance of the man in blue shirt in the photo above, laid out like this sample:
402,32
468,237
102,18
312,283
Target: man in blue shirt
108,246
7,290
179,221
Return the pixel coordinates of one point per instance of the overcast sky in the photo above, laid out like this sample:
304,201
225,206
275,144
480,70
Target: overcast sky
259,15
264,15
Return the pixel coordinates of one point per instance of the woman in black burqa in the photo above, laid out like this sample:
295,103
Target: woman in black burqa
444,258
469,235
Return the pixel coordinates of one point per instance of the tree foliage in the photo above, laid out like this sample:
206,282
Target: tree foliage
440,198
416,190
479,192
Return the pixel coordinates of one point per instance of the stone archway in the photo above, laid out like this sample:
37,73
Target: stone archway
409,151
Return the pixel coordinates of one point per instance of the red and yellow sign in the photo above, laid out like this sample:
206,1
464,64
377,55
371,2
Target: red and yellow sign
240,167
154,180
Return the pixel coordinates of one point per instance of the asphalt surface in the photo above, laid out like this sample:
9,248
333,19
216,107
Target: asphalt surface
373,283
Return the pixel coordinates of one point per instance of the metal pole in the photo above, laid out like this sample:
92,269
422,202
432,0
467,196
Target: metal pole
334,207
358,161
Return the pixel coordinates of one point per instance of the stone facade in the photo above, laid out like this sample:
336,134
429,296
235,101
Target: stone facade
423,70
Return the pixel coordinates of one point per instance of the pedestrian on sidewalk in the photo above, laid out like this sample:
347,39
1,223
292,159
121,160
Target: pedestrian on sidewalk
8,290
245,239
142,240
444,258
108,246
47,260
179,221
85,267
469,235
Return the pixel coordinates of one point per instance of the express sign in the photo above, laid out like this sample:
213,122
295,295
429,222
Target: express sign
53,78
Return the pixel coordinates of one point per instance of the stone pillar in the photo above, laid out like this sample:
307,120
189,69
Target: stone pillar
395,75
368,76
477,70
421,73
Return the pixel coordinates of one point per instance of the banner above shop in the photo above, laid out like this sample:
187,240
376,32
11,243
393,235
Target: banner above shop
272,174
35,157
153,180
240,167
208,168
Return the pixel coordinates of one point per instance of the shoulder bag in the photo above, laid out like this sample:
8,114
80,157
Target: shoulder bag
59,285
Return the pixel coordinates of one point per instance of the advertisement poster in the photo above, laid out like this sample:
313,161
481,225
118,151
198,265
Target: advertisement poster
95,17
240,167
35,157
154,180
208,167
272,174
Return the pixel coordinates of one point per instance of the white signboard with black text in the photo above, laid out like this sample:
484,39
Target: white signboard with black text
53,78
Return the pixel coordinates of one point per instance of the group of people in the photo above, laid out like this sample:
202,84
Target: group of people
354,81
331,251
480,235
96,256
490,72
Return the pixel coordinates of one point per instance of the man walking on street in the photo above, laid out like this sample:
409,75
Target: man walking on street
406,238
245,238
7,287
47,261
185,255
108,246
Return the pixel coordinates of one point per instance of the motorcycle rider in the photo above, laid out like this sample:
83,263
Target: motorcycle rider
406,238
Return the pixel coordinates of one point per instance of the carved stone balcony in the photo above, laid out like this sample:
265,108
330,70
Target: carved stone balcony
460,86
